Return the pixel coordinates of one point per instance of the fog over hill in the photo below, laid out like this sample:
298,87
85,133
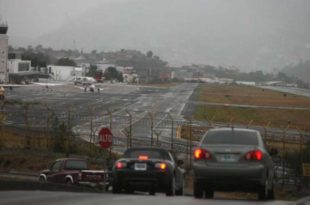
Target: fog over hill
251,35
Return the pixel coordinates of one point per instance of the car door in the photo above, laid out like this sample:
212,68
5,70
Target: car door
55,172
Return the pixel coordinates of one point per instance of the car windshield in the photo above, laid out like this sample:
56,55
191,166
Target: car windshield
76,165
150,154
231,137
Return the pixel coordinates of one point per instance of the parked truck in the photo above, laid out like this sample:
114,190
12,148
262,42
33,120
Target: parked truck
74,171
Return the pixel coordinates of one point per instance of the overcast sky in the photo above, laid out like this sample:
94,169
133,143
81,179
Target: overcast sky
32,18
248,34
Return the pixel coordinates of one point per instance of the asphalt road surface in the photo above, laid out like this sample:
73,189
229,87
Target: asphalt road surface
64,198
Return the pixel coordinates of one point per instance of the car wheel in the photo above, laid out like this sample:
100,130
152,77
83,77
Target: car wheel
209,193
179,192
69,182
198,191
116,188
171,188
271,194
152,192
129,190
42,180
263,191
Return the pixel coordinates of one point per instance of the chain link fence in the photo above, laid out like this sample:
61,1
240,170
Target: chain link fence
45,128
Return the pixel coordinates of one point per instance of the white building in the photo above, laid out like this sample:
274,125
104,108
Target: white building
18,65
4,44
130,75
65,73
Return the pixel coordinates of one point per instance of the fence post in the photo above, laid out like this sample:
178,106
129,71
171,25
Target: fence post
249,124
301,152
48,116
172,126
152,127
110,124
91,130
190,143
211,121
266,130
232,123
284,151
129,138
1,125
68,137
157,137
110,119
26,121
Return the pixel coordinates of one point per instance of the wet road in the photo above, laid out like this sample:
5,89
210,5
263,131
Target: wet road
64,198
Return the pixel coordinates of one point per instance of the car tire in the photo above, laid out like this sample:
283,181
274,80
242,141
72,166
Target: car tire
179,192
42,180
270,195
171,188
209,193
263,191
152,192
69,182
198,191
116,188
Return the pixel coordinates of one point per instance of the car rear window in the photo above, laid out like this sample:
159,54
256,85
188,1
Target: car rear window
76,165
231,137
151,154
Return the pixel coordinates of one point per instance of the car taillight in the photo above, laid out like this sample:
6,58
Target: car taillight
80,176
120,165
143,157
254,155
201,154
161,166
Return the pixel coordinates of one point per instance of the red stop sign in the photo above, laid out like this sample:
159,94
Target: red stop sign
105,137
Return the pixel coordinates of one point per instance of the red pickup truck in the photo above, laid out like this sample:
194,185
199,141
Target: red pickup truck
74,171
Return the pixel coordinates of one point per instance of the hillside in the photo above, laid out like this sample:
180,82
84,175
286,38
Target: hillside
256,35
300,71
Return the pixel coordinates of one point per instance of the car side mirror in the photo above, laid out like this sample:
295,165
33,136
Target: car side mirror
273,152
180,162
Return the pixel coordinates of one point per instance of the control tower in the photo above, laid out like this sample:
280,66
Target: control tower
4,44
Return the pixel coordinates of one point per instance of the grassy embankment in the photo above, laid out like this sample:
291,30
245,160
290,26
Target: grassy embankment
17,152
248,95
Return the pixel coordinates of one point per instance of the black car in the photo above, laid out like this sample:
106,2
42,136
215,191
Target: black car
148,169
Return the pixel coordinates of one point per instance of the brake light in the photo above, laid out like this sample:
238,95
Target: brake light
201,154
143,157
254,155
161,166
120,165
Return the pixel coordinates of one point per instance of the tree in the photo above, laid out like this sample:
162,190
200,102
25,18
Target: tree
66,62
112,74
37,59
149,54
92,71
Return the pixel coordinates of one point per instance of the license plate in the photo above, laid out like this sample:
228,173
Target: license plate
228,158
140,166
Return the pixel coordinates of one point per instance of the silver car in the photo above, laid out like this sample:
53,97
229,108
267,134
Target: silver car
233,159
